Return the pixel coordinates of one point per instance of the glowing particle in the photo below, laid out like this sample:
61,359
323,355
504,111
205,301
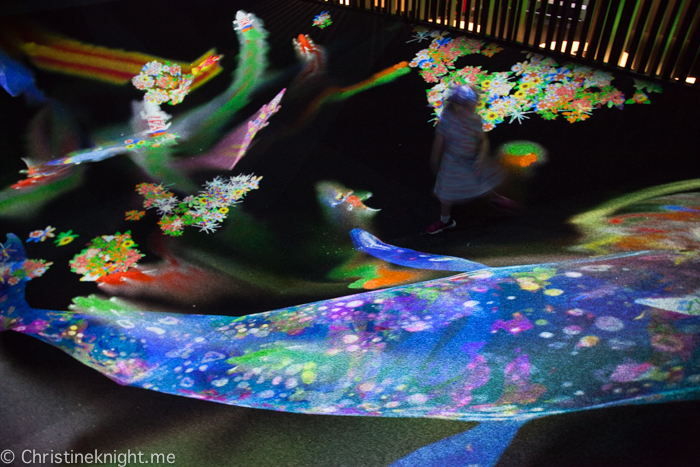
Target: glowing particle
349,339
417,399
572,330
553,292
609,323
588,341
220,382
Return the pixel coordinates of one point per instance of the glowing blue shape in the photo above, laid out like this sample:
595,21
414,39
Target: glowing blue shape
493,345
482,445
16,79
368,243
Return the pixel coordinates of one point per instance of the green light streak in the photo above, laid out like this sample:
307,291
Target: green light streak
597,216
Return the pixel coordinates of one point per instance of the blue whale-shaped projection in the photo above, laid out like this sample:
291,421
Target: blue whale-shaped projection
496,345
16,79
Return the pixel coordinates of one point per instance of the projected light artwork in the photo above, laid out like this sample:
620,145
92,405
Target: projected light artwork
323,20
207,210
318,295
538,85
367,354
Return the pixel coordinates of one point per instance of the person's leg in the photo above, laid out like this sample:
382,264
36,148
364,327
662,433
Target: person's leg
445,210
445,222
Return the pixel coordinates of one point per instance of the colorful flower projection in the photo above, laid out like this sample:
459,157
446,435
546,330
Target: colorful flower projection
207,210
537,85
12,272
105,255
163,82
41,235
64,238
323,20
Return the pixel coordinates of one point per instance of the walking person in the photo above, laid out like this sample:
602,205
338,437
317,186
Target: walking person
460,156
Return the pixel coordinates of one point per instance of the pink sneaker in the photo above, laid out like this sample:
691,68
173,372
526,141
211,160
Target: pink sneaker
439,226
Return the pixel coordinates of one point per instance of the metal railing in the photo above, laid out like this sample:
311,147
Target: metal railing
656,38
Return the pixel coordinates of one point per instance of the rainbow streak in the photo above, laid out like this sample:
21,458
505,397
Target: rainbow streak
52,52
202,126
337,94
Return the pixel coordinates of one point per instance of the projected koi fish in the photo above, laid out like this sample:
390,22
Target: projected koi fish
495,345
311,55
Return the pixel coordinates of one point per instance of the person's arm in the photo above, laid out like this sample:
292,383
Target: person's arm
436,153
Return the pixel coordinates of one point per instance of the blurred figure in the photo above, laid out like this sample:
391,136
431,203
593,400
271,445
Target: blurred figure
460,156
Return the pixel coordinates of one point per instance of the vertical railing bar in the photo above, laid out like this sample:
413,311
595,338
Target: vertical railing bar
514,9
460,14
473,17
695,70
685,62
658,61
672,59
654,32
571,37
606,33
622,33
509,15
601,16
449,12
518,6
498,18
635,42
484,20
553,25
540,23
586,27
505,12
496,9
467,10
529,20
563,23
464,12
477,15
